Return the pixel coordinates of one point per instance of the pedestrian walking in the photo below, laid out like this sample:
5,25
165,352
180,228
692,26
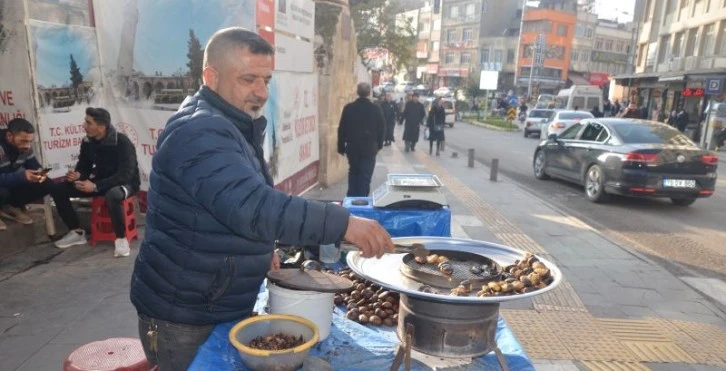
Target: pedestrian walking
360,136
214,214
390,113
435,123
616,109
413,115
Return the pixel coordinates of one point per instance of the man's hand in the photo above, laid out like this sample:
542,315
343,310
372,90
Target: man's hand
85,186
34,176
73,176
275,264
369,236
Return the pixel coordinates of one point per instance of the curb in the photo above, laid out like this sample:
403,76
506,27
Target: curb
491,127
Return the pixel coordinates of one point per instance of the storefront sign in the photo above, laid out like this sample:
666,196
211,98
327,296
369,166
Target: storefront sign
432,69
15,89
598,79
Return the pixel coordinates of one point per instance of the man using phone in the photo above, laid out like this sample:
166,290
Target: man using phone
21,178
106,167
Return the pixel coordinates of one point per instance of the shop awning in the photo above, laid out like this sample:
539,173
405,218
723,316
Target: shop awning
672,78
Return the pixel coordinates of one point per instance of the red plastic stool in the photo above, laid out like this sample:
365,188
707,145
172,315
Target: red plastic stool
115,354
101,227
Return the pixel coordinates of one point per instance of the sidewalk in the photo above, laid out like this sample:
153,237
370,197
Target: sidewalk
615,310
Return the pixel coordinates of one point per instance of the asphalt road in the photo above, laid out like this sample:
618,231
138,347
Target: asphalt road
685,240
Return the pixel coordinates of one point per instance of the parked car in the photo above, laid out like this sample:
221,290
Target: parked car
628,157
564,119
443,92
450,108
404,87
422,90
537,121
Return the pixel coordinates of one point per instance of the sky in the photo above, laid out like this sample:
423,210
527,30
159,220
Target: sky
53,45
610,9
163,27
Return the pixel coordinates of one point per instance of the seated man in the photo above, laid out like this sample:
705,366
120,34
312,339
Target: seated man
21,178
106,167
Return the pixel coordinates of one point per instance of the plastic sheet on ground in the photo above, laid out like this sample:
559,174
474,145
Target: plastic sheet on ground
354,347
404,222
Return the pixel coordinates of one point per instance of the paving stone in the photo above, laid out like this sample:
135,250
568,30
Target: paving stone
680,367
554,365
606,311
636,312
50,357
481,234
97,325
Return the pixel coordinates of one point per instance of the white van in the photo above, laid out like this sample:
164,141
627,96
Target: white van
580,97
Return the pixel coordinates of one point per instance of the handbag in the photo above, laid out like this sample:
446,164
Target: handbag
426,133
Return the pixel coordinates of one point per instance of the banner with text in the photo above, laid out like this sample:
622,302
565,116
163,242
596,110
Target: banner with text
15,83
68,80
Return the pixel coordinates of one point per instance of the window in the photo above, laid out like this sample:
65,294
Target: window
693,37
579,31
619,47
697,7
437,24
498,55
468,33
454,11
435,46
510,55
709,40
678,45
585,55
648,14
647,134
562,30
425,26
588,33
465,58
592,132
484,7
664,48
593,102
641,54
470,12
484,56
598,43
450,35
571,132
608,45
574,55
722,37
449,58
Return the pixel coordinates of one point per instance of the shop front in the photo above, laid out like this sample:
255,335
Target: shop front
452,77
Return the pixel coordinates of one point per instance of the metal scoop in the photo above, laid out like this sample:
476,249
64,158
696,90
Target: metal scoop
417,249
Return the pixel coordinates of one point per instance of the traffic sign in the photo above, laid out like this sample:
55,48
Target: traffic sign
714,86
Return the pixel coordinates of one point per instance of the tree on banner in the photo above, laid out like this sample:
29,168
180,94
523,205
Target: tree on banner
76,76
376,27
196,58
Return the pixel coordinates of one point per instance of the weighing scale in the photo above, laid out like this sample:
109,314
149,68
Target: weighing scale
422,191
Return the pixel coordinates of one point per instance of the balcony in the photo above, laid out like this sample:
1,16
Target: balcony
465,18
459,44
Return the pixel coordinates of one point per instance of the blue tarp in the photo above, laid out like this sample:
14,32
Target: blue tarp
354,347
404,222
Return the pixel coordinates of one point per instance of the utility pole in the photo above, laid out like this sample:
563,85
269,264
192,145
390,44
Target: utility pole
519,46
537,60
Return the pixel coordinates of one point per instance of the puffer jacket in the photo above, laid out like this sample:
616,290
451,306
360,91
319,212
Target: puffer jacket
13,163
213,216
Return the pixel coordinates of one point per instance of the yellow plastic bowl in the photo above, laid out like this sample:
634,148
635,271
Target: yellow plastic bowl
279,360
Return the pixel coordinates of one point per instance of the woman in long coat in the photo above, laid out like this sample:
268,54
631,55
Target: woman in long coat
413,114
435,124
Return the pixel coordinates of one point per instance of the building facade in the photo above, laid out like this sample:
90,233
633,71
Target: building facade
428,47
680,44
465,25
558,28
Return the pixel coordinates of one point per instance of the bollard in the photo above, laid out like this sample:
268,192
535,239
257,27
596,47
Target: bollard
494,170
471,157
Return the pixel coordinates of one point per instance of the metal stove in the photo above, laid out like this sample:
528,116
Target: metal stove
445,325
410,190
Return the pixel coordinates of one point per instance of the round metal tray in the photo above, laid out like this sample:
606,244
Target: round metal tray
386,270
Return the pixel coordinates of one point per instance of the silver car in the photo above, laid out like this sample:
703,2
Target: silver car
564,119
537,121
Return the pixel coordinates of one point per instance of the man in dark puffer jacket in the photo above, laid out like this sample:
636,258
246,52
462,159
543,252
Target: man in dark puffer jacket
213,212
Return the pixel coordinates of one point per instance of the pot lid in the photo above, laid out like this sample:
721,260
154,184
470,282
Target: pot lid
296,279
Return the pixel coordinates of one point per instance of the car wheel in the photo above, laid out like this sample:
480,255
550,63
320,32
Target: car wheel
683,201
595,185
539,166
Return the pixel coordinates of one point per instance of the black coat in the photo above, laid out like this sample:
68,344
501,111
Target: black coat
436,123
361,128
413,114
390,113
114,158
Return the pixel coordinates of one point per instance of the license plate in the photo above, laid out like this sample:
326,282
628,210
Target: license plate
679,183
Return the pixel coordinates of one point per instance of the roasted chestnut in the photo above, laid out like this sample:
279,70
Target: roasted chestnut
428,289
534,277
538,264
494,286
363,319
466,284
387,305
432,259
518,286
420,259
507,288
442,259
388,321
375,320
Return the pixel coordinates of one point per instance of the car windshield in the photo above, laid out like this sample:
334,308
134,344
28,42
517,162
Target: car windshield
651,134
541,114
574,115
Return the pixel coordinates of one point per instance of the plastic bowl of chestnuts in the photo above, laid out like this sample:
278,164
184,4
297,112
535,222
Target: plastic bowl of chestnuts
274,342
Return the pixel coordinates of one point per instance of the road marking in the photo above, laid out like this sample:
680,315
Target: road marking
566,220
712,287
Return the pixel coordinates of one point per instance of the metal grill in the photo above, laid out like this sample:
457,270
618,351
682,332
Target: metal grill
461,262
